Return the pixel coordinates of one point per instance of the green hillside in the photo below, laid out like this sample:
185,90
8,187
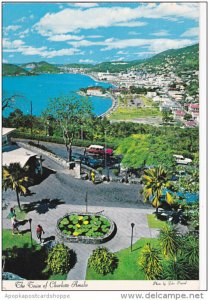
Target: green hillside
13,70
44,67
114,66
75,65
183,59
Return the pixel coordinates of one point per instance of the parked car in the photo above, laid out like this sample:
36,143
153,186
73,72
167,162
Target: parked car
97,149
181,160
91,162
76,156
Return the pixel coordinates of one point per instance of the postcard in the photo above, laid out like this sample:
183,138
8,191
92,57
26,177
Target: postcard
104,148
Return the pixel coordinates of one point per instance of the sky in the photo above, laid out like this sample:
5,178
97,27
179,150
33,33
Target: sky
63,33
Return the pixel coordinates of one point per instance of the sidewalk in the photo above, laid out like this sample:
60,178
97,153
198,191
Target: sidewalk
123,217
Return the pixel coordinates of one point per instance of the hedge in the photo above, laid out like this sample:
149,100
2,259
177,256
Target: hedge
59,140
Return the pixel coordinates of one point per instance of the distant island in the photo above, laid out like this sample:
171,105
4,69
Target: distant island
183,59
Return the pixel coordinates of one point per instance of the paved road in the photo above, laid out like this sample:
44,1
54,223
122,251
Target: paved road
58,149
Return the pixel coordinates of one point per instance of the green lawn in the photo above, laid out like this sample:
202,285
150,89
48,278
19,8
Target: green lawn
147,101
9,241
122,113
127,267
26,261
153,222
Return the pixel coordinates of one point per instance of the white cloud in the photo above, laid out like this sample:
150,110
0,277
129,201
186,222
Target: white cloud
21,20
161,33
134,33
31,17
86,61
131,24
120,58
14,44
61,52
23,34
72,20
5,61
145,53
94,36
191,32
122,53
19,46
64,37
85,5
11,28
155,45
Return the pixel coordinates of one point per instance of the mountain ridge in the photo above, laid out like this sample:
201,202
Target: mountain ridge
186,58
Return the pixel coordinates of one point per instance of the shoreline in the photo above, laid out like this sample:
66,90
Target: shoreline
114,99
95,79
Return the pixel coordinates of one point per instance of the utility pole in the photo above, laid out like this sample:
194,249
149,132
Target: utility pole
31,114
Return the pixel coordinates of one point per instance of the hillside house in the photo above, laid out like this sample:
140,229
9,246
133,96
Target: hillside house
179,114
94,91
190,124
6,137
193,107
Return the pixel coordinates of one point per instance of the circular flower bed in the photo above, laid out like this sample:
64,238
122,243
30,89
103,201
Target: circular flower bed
86,228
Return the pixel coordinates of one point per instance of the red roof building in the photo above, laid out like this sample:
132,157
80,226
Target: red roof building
193,107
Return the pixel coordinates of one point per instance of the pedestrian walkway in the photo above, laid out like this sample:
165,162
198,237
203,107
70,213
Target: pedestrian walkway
123,217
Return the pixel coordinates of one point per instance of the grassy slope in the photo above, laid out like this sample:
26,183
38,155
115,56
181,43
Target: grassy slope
155,223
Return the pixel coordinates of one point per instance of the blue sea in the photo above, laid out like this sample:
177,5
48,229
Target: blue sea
41,88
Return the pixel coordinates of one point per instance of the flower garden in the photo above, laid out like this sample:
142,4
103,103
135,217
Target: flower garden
85,227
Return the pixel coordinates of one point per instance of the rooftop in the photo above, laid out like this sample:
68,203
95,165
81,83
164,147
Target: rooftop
19,155
6,131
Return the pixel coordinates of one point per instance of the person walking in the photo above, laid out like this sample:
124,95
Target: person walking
15,225
12,213
39,232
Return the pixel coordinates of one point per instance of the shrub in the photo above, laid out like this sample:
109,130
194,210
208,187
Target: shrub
59,140
103,261
150,262
58,261
177,268
115,172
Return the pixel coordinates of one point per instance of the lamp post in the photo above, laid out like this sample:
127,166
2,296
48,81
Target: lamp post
31,240
106,168
31,115
86,200
132,231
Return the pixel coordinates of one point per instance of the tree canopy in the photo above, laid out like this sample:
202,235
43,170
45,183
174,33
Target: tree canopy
69,113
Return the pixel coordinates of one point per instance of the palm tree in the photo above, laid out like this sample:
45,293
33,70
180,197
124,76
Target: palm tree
155,181
170,240
190,249
177,268
150,262
14,178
